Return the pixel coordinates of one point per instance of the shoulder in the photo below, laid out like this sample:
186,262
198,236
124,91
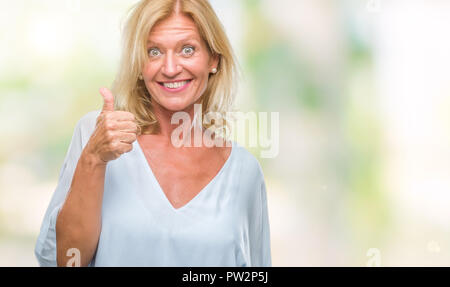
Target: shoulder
250,166
86,126
251,179
88,120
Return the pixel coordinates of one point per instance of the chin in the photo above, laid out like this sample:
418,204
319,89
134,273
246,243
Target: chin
176,105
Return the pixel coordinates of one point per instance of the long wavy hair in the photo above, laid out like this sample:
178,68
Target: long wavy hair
131,93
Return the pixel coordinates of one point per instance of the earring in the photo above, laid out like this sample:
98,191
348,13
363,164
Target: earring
140,77
214,70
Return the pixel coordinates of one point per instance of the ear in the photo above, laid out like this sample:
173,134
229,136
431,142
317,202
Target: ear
214,61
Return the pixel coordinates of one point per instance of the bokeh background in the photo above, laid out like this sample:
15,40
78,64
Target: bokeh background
363,91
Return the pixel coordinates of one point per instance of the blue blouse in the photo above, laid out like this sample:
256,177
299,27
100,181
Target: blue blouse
226,224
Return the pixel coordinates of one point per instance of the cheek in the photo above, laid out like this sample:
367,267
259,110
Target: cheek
150,70
199,67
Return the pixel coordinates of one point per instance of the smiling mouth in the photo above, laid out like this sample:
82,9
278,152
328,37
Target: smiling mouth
175,85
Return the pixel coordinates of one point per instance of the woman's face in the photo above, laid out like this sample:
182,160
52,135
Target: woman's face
176,74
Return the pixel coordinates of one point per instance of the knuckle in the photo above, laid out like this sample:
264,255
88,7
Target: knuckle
109,135
108,116
135,127
113,146
109,125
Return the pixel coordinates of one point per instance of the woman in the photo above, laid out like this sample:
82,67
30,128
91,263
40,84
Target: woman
126,195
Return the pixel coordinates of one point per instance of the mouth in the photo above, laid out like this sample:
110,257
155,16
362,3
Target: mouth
175,86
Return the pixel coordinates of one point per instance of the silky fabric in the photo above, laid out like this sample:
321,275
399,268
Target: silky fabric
225,224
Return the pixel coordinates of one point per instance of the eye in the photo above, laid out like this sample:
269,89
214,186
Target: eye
154,52
188,50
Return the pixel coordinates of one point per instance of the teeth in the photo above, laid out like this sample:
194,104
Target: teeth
175,85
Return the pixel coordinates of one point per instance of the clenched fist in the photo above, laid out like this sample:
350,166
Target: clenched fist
114,133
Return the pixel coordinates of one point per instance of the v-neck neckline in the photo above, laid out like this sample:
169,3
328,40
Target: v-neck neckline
161,192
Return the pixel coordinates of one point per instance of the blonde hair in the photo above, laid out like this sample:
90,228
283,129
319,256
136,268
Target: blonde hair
131,93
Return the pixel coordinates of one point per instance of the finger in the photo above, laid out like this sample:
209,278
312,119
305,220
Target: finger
121,116
124,148
108,100
128,138
127,126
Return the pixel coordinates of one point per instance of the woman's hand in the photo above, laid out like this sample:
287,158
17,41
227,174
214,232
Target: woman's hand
114,133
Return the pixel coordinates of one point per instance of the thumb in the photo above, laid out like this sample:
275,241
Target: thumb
108,100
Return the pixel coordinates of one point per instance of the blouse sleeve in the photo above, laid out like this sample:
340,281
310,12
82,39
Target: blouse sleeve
260,255
45,249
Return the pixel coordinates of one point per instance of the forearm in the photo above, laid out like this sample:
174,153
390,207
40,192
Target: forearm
79,221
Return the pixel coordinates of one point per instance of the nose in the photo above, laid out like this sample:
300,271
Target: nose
171,67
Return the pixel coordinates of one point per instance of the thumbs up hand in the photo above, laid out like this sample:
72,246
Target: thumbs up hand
114,134
108,100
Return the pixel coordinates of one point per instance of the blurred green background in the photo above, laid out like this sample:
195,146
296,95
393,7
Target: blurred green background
363,92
